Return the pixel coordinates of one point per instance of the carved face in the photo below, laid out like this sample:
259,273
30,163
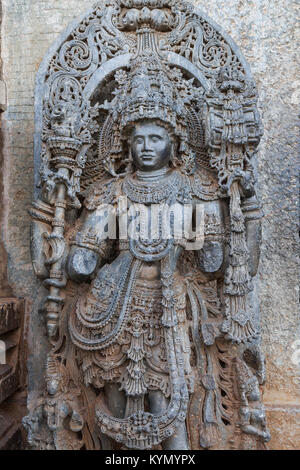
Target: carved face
151,146
53,386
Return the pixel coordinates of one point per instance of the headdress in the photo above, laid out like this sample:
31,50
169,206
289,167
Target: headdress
153,90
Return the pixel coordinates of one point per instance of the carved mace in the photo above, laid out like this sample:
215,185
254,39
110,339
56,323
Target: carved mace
64,152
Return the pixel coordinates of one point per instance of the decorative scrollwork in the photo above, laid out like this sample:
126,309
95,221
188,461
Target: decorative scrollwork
75,55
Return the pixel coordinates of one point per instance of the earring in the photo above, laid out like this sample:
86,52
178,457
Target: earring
189,163
174,158
129,167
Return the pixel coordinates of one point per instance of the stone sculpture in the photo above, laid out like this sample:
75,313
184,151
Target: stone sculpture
146,111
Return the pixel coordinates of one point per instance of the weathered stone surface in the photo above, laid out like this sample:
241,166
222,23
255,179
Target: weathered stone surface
2,96
5,370
267,34
8,383
10,434
10,315
11,319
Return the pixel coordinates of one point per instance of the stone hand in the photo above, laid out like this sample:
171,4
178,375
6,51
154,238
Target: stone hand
211,257
82,264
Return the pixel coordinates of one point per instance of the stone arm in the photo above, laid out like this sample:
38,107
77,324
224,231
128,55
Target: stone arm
91,247
252,212
213,256
82,263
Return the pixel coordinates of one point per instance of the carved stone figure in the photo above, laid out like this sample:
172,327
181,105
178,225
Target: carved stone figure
146,231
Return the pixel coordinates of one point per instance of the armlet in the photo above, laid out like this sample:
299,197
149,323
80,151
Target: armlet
93,243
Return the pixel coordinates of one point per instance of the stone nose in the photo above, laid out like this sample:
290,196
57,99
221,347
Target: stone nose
146,144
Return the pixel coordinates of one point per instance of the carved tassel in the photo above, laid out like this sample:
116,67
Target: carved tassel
135,383
134,380
169,318
136,351
238,324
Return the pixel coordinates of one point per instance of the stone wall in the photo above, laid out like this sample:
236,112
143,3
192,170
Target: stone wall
266,32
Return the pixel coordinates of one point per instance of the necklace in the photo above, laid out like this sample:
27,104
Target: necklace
152,192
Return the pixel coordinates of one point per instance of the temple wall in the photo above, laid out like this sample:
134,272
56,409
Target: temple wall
265,31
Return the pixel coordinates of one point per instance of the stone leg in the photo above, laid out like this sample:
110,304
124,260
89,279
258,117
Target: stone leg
179,441
116,402
115,399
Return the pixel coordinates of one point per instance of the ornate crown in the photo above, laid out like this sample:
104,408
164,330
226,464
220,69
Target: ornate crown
152,90
150,94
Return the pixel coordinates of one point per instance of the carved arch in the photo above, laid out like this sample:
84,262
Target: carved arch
92,47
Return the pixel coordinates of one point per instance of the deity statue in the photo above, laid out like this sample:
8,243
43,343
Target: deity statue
147,231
